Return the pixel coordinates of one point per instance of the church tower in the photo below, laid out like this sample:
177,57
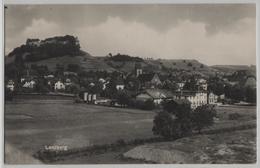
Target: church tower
138,69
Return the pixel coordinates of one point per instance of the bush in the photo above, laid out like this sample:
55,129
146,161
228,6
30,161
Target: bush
174,121
170,127
163,125
148,105
203,116
144,105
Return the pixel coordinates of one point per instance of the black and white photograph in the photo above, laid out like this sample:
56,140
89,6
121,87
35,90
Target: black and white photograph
130,84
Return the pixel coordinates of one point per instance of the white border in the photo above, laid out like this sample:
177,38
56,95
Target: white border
130,2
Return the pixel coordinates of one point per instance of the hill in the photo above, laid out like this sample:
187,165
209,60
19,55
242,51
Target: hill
229,69
65,50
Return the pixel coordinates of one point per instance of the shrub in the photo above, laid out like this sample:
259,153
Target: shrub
203,116
148,105
163,125
170,127
174,121
144,105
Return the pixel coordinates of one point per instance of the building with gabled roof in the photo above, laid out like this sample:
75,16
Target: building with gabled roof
197,98
157,95
150,80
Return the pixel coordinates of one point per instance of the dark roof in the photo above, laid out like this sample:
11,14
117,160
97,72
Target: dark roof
146,77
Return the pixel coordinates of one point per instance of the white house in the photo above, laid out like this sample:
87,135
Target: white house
212,98
68,82
120,84
90,98
180,85
196,98
29,84
202,84
49,76
22,79
10,85
59,85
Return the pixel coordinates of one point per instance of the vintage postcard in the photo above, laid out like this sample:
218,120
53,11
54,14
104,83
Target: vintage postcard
130,83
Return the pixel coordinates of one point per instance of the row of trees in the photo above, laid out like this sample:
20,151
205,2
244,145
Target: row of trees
178,120
237,92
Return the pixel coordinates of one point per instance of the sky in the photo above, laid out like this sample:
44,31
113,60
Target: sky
211,33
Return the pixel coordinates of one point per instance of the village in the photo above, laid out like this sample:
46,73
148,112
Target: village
118,89
79,102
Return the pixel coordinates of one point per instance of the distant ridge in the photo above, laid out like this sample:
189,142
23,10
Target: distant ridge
66,50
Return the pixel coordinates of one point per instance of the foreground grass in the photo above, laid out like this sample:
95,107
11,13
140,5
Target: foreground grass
29,126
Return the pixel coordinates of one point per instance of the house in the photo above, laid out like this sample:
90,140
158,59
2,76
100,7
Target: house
10,85
138,70
157,95
212,98
22,79
151,80
92,84
89,97
197,98
49,76
202,84
222,97
29,84
120,84
103,82
68,82
180,85
59,85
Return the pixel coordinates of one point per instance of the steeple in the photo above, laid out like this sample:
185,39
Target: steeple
138,69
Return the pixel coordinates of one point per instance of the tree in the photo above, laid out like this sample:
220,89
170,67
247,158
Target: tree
174,121
250,94
189,64
191,85
203,116
123,98
163,125
148,105
72,89
41,86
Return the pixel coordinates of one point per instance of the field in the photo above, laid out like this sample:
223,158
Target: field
32,124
